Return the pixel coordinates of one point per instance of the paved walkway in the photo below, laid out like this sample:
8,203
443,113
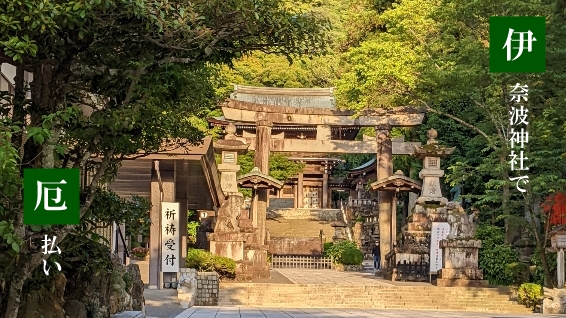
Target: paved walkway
232,312
327,276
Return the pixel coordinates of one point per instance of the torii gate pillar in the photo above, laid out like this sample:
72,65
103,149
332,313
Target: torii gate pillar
385,198
261,160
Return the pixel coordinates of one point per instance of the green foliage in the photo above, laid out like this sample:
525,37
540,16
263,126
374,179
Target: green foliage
192,228
352,256
206,261
327,246
8,236
108,207
529,294
518,273
538,275
83,253
280,167
336,250
140,252
360,219
142,72
127,281
494,256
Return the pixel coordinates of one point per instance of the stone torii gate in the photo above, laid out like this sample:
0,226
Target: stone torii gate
263,109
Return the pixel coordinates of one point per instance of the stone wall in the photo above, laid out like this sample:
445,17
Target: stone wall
304,214
281,203
207,289
207,286
295,246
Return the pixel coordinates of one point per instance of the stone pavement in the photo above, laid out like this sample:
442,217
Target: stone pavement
233,312
326,276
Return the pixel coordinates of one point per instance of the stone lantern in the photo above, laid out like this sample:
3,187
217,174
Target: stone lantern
228,240
431,153
230,147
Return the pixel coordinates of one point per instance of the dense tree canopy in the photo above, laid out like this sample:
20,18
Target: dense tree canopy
436,55
114,78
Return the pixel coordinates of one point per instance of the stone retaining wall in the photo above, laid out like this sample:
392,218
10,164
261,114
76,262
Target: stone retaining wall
295,246
304,214
207,286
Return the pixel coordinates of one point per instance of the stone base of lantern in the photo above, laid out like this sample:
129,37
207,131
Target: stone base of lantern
461,277
255,261
460,264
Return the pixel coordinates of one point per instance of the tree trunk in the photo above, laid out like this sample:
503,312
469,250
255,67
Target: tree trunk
541,246
505,198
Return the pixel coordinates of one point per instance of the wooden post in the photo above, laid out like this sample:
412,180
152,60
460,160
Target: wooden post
300,191
296,194
384,170
254,207
393,220
560,268
325,190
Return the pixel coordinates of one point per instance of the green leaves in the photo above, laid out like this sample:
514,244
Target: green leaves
8,236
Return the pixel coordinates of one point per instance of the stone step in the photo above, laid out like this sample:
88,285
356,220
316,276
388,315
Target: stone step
333,296
130,314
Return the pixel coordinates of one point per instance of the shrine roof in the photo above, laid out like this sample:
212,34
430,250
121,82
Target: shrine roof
290,97
222,121
369,164
314,159
309,107
397,182
257,178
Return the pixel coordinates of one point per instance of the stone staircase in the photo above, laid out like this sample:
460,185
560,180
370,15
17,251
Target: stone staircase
491,300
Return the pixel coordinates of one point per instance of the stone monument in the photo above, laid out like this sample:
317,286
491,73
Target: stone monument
554,301
460,251
431,153
228,240
411,257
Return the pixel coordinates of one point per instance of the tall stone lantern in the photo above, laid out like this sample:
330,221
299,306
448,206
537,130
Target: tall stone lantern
228,239
431,153
230,147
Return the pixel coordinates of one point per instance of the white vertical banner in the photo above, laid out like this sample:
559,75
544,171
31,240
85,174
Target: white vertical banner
170,244
438,233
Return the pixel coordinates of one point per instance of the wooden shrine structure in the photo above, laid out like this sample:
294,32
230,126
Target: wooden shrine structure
302,121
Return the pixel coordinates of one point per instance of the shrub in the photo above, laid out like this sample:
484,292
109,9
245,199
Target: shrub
327,246
529,294
205,261
494,256
352,256
140,252
518,273
337,249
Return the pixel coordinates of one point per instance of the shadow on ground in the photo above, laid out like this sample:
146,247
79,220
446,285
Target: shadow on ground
162,303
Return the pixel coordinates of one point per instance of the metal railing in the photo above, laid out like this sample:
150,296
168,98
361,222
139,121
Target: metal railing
301,261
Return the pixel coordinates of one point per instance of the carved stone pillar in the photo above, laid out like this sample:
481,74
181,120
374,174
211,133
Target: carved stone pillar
385,199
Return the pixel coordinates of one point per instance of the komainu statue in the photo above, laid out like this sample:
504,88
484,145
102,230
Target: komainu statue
462,225
187,290
554,301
